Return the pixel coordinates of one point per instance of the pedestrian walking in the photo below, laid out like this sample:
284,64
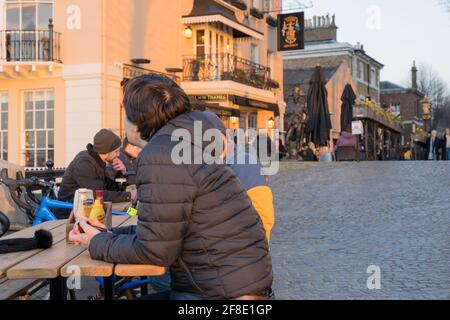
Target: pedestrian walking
446,145
433,145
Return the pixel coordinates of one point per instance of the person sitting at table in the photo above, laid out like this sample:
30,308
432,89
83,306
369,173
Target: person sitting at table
88,171
196,218
128,155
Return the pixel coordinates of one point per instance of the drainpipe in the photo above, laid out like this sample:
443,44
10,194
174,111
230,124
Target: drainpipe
103,62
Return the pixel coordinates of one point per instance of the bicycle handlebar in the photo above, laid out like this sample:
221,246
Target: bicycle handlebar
15,185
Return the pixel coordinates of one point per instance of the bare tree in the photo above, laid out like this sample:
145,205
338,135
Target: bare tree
430,83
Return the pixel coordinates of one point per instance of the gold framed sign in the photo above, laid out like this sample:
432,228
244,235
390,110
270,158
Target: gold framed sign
210,97
291,31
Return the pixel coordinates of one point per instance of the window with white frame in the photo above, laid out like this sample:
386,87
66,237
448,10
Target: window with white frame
4,126
39,110
255,53
28,15
395,108
252,121
361,70
27,25
373,77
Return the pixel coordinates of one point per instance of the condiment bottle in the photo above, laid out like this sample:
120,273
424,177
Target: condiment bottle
98,211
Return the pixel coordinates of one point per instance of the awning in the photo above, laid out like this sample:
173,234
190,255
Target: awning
207,11
246,102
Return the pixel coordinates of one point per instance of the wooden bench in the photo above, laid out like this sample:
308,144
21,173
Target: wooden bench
58,262
12,289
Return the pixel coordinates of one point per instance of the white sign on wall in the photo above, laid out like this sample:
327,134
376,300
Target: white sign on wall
357,128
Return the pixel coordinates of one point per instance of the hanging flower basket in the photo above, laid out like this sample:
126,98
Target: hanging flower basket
271,21
256,13
239,4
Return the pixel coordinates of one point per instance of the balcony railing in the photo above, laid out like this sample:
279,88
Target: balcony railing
225,66
30,46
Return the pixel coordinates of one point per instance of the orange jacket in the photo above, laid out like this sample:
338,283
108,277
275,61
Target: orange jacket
258,191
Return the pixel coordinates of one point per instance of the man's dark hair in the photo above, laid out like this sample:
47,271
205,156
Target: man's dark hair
152,100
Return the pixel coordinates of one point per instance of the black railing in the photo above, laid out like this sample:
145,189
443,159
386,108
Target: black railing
225,66
37,45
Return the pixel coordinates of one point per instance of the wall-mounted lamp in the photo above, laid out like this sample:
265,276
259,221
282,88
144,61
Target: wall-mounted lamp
271,123
140,61
234,120
188,33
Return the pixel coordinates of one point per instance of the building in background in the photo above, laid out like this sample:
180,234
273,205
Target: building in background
343,64
406,102
347,64
409,104
63,64
322,48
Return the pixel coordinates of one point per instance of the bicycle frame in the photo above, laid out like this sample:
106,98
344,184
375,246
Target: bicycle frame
44,213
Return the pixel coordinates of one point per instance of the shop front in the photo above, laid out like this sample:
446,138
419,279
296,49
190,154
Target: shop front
238,112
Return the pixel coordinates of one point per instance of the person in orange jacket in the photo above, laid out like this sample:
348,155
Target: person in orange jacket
252,179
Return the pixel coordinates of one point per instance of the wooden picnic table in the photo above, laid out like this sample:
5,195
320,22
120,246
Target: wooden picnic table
58,262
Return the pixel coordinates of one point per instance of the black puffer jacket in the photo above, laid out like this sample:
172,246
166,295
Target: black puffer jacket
199,213
88,171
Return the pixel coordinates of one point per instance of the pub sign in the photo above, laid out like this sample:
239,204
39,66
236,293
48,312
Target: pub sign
291,31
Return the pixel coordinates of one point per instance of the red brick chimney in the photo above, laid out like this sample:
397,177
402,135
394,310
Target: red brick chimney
414,75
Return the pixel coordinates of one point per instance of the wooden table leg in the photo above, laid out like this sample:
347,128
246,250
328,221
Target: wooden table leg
58,290
108,288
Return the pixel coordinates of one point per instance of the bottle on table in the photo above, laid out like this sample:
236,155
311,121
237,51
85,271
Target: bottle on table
98,211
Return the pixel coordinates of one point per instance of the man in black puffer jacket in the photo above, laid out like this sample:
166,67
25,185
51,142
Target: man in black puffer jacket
88,171
194,218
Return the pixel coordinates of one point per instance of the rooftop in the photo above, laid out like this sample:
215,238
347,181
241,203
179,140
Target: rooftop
387,85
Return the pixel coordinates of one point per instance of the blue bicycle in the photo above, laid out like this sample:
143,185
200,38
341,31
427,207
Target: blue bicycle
39,210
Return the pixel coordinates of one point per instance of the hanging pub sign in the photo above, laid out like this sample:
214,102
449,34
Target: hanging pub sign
291,31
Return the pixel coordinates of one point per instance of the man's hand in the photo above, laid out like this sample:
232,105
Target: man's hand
119,166
133,195
83,239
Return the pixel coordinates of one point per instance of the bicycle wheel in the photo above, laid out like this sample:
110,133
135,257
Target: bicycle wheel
4,224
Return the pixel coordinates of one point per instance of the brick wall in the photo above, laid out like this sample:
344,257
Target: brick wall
361,90
410,106
320,34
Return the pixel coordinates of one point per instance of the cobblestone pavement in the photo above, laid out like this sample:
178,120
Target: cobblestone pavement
335,220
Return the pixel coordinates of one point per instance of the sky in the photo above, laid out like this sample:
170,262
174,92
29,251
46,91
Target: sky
394,32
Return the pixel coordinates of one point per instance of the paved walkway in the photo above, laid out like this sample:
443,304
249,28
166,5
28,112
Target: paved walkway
335,220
